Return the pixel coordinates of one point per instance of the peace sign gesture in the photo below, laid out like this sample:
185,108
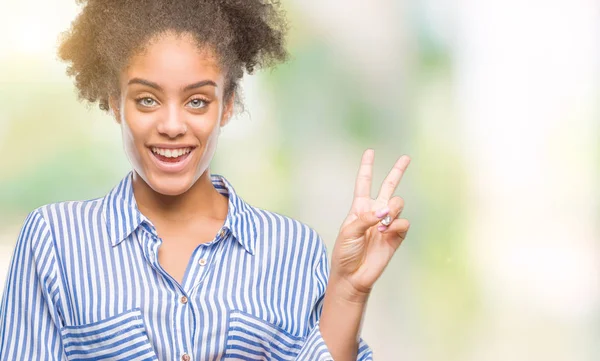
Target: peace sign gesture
364,245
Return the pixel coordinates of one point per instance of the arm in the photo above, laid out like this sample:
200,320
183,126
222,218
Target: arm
27,320
341,322
315,346
362,250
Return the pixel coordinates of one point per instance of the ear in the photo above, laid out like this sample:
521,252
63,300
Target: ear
113,104
227,110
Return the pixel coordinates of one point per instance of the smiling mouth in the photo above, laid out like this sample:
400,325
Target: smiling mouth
171,155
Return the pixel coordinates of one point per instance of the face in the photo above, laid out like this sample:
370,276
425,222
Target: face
171,108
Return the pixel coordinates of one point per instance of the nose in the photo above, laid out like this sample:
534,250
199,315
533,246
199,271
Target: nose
173,124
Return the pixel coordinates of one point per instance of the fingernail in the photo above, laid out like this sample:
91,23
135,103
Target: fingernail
382,212
381,228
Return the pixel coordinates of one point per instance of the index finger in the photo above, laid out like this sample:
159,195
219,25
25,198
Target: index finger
362,188
390,183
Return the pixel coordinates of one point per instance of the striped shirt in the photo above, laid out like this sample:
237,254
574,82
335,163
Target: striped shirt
85,284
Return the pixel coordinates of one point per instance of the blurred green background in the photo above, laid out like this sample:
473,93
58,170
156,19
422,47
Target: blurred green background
496,102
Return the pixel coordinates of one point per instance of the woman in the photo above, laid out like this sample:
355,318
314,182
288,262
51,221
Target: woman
172,264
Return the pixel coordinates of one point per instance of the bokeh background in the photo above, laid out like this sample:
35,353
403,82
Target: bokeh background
496,102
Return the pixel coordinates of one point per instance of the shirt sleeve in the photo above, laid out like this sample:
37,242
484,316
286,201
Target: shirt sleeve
314,347
28,328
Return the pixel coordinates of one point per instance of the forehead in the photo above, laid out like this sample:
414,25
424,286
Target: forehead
174,59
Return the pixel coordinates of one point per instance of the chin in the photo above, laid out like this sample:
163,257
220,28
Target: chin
170,184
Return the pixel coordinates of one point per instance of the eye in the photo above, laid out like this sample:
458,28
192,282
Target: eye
146,102
198,103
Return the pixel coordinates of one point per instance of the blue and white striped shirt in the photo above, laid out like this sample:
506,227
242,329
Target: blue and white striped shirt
85,284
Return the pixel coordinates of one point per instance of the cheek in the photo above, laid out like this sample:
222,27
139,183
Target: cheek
207,126
135,129
129,140
137,124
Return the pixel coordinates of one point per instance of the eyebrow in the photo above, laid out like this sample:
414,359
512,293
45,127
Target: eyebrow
157,87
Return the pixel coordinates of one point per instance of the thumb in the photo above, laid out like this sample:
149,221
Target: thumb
364,221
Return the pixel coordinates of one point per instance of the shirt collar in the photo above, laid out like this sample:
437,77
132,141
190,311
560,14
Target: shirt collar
122,215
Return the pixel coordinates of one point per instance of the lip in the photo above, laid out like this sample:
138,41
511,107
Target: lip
171,146
171,167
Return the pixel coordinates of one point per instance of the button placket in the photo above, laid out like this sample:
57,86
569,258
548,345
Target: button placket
202,263
184,315
203,259
203,256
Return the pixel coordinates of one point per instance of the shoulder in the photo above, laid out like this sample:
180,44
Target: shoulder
60,215
280,225
41,225
281,231
70,210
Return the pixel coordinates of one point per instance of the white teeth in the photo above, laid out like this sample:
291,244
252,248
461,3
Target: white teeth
171,153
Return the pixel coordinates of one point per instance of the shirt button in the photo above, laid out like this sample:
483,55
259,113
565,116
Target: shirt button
222,232
185,357
202,262
183,300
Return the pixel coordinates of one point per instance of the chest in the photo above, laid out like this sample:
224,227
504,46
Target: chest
236,299
178,246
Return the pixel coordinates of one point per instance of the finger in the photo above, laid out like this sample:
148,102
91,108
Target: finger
362,188
390,183
399,228
364,221
396,205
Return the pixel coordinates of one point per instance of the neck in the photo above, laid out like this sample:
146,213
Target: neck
201,201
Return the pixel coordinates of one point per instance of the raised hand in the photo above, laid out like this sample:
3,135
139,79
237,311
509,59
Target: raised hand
364,246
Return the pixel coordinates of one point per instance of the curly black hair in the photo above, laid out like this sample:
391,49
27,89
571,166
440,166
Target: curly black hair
245,34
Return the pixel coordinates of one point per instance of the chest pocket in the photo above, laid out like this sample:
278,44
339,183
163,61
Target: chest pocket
121,337
250,338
